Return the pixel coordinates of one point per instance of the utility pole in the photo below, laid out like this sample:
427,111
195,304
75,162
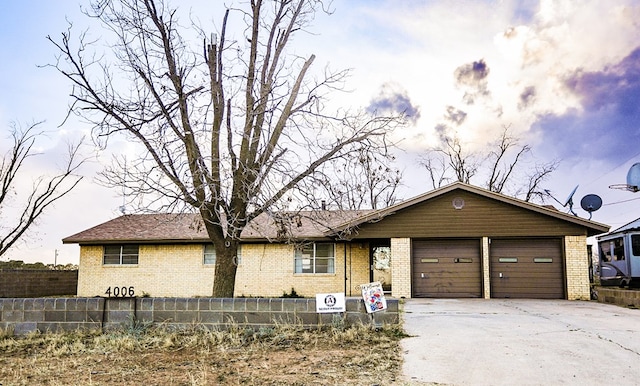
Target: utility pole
55,259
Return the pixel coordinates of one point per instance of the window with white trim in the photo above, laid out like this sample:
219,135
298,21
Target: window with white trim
126,254
315,258
209,254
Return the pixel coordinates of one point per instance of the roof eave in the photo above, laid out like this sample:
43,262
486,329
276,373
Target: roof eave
133,241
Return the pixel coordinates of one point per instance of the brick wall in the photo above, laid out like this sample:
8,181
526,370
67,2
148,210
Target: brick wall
577,268
486,271
67,314
162,270
268,270
23,283
401,267
178,270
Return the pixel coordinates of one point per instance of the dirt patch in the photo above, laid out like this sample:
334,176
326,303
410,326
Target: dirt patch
362,357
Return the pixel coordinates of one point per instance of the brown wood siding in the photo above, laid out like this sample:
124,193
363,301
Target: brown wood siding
537,274
480,216
446,268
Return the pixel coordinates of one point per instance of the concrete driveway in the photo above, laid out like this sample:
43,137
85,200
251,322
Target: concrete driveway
520,342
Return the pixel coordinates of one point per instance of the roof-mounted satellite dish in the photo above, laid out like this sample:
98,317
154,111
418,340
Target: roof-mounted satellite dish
568,201
591,203
633,180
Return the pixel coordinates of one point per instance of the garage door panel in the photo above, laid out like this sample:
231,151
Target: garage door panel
446,268
527,268
538,271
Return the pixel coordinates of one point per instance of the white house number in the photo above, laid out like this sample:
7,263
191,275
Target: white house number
120,292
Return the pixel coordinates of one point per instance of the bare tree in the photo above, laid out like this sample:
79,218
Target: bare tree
363,180
450,162
436,167
20,211
502,166
230,126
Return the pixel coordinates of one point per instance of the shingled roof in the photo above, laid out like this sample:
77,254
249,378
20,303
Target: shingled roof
189,227
306,225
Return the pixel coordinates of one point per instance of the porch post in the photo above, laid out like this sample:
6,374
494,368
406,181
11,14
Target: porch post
486,273
401,267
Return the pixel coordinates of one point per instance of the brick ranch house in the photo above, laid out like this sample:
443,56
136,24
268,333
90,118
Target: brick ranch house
456,241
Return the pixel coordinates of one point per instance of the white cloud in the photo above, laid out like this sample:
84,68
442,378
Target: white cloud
432,39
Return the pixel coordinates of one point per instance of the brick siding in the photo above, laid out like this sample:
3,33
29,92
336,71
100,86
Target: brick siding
178,270
486,272
577,268
401,267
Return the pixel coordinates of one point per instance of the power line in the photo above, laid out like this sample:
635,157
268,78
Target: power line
620,202
611,170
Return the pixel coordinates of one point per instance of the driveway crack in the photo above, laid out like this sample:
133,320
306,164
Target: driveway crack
617,344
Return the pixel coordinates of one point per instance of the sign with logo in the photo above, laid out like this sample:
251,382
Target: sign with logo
373,297
328,303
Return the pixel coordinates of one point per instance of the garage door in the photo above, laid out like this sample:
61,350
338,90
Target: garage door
446,268
527,268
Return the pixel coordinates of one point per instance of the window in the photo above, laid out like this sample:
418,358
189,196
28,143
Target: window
210,255
612,250
635,245
120,254
315,258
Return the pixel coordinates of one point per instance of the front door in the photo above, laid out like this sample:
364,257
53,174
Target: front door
381,264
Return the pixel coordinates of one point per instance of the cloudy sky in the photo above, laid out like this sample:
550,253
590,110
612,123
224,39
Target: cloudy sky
564,75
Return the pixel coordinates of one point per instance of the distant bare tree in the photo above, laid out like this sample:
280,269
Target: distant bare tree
364,180
231,127
25,209
503,166
450,162
436,166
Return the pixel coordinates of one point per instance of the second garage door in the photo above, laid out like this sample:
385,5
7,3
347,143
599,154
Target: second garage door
527,268
447,268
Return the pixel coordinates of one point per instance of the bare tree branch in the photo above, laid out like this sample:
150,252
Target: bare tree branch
44,192
504,166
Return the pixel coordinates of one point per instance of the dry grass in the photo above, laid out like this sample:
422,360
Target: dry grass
282,355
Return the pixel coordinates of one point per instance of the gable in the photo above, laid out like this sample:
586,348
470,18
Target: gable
479,216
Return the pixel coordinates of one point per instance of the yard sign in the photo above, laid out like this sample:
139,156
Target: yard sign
328,303
373,297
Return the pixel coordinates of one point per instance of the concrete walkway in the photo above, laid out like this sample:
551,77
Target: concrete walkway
520,342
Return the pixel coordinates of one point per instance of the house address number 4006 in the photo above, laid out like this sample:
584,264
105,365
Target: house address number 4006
120,292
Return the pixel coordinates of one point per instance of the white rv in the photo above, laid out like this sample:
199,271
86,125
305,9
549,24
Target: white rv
619,256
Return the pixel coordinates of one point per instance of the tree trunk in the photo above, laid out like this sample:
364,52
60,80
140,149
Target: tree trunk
226,268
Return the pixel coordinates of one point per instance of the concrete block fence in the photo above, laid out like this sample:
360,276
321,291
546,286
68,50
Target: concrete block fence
619,296
69,314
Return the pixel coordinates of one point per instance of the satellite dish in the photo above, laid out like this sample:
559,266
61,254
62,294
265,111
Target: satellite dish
591,203
633,177
633,180
568,201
